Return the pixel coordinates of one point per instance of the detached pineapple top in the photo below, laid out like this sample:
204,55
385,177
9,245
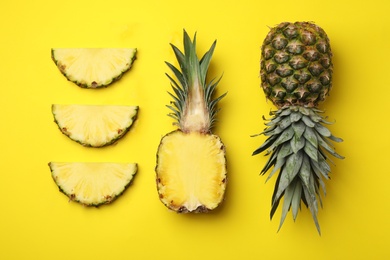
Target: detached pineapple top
296,65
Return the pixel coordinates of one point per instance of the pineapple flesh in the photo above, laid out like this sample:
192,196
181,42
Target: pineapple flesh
94,125
92,183
296,74
93,67
191,162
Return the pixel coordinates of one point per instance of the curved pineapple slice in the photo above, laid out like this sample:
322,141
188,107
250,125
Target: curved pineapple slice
94,125
92,184
93,67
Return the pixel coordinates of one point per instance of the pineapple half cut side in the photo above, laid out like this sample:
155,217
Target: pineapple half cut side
92,183
93,67
94,125
191,172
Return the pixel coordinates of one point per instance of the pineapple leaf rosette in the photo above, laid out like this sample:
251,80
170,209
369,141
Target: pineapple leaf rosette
296,75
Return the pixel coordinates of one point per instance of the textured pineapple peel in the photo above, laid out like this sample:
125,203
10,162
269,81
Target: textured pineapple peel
296,64
92,184
94,125
191,171
93,67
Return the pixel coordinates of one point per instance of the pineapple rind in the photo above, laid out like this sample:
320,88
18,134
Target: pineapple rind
94,125
92,184
299,146
93,67
192,179
296,65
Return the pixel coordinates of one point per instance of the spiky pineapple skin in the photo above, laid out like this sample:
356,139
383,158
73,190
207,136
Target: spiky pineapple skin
296,65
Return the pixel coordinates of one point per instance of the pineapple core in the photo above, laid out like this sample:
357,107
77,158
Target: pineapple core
196,116
191,171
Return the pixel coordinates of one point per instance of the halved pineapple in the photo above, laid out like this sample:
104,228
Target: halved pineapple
191,172
92,183
94,125
93,67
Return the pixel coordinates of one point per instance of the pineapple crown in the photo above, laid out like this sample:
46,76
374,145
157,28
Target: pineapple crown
299,145
193,106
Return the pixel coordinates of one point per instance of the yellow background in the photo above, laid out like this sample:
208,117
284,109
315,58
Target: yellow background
38,222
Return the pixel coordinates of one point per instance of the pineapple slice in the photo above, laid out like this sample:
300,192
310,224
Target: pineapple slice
92,184
191,172
93,67
94,125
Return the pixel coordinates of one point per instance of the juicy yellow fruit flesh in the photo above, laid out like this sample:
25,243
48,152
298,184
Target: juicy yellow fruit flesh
94,125
92,184
93,67
191,171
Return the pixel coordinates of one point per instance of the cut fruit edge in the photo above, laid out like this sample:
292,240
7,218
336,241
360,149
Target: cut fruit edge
94,125
193,179
92,183
93,67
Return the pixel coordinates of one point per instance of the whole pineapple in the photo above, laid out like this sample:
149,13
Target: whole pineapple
191,164
296,75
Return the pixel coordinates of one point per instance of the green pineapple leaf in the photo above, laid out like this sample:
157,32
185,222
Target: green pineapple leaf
289,171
